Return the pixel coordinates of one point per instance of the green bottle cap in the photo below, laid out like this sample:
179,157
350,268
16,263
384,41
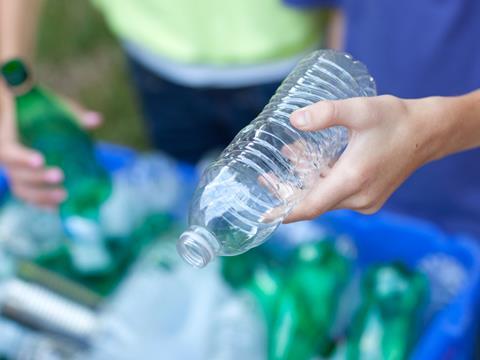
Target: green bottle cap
14,72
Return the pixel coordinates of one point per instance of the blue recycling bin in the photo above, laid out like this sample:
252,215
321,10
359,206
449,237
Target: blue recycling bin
388,237
382,238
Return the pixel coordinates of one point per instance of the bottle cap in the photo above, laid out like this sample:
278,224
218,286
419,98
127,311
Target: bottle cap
14,72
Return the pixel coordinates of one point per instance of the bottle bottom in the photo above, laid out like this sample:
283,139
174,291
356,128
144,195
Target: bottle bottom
197,246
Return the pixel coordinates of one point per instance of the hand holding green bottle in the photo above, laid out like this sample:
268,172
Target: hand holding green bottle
30,178
45,123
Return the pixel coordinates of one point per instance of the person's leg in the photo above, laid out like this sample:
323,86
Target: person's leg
179,119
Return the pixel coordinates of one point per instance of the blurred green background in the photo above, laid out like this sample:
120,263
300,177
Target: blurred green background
78,57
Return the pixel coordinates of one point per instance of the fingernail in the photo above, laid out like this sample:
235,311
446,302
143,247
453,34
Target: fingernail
92,118
36,160
303,119
54,176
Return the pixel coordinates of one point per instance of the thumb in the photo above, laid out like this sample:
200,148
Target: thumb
87,118
328,113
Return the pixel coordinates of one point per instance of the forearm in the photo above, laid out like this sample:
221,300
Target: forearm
460,117
18,28
335,30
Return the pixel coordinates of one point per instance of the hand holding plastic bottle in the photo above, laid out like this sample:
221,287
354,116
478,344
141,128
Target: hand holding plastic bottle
389,139
29,178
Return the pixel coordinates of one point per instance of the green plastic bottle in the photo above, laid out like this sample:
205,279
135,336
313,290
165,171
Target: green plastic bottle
309,302
385,326
45,124
298,296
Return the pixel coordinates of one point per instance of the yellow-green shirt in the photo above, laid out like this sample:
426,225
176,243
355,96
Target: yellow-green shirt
216,32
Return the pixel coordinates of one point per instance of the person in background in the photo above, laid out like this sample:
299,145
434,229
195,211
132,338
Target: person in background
202,70
426,55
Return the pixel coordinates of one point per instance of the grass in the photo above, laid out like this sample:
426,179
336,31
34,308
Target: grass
78,57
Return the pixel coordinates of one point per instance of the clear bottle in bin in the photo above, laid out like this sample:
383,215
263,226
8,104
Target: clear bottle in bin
27,231
270,165
17,342
151,184
238,331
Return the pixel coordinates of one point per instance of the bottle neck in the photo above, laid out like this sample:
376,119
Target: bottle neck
22,89
198,246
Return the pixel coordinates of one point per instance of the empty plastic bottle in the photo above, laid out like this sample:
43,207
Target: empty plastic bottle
18,342
387,322
151,184
270,165
238,331
180,327
28,231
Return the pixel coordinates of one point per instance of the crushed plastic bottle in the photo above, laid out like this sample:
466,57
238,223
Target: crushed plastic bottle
149,185
27,231
179,328
239,331
446,276
270,166
156,178
17,342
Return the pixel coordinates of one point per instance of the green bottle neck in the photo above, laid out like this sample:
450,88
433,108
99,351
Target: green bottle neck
23,89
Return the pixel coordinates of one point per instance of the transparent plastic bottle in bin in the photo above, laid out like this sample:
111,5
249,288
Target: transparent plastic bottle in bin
270,165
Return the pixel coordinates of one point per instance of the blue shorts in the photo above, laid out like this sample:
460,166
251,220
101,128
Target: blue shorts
187,122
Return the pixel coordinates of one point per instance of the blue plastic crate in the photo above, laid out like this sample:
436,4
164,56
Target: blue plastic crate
389,237
380,238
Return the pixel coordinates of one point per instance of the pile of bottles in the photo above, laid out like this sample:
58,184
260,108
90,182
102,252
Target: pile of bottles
317,304
310,302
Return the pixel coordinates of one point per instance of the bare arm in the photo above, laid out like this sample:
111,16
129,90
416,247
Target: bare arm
461,124
18,28
29,178
404,135
336,30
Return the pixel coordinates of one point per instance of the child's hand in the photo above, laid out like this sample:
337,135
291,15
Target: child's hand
29,178
389,139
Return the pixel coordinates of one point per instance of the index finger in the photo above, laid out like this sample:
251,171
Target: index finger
18,155
327,113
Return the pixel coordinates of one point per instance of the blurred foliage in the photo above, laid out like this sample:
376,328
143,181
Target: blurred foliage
78,57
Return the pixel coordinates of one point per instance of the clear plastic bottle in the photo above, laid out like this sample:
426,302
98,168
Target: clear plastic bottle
238,329
28,231
151,184
18,342
269,166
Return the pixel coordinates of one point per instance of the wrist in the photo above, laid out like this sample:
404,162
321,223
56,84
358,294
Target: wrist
461,116
430,126
7,116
